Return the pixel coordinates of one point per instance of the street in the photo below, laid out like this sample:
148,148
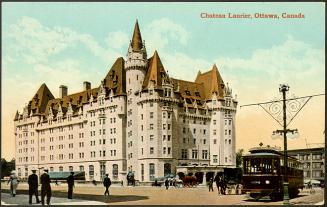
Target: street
87,194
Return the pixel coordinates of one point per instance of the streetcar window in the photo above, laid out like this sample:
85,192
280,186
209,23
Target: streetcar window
261,166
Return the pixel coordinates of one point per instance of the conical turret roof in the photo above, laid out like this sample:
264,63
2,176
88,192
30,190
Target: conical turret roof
136,39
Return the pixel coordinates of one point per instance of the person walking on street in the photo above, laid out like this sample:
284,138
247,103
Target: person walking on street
13,180
211,185
45,187
70,182
106,183
167,184
33,187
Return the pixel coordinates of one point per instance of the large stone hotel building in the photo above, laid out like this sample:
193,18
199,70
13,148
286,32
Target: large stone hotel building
138,119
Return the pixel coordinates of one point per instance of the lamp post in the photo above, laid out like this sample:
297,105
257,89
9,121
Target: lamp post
286,199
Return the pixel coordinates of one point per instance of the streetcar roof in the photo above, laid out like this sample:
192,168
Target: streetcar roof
262,154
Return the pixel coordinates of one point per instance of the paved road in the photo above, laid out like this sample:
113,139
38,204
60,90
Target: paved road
158,195
22,199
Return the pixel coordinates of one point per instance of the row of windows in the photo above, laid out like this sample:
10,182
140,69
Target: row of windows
194,130
25,127
25,134
194,121
184,154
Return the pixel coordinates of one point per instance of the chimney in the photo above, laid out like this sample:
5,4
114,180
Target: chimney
63,90
86,85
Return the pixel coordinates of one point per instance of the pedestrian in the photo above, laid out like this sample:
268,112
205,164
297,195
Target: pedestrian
45,187
167,184
106,183
94,182
33,187
56,182
13,180
211,185
122,183
70,182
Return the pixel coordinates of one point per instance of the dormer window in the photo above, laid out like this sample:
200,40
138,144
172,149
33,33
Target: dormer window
187,92
197,93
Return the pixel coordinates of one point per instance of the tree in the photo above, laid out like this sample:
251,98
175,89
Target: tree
239,160
7,167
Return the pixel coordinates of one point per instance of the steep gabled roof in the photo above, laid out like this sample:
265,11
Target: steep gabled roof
16,116
76,99
40,99
155,73
189,91
136,39
212,82
116,78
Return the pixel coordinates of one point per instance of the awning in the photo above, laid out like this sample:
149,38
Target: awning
312,181
80,175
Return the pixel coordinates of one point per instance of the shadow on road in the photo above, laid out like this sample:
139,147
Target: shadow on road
101,198
266,199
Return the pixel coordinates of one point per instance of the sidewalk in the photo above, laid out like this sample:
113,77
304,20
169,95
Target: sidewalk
22,199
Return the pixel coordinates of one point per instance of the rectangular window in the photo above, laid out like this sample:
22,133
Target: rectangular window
204,154
151,115
151,137
169,150
215,158
184,153
151,126
151,150
194,154
164,150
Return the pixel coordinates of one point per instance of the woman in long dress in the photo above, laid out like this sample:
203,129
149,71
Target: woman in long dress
13,183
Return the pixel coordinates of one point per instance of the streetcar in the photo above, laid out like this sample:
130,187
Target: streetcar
263,174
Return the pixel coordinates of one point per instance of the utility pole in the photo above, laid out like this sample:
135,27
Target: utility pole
284,117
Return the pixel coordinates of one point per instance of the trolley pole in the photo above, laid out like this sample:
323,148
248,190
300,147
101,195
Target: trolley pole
286,199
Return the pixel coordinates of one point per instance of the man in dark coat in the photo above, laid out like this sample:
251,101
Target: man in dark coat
33,187
167,184
45,187
106,183
70,182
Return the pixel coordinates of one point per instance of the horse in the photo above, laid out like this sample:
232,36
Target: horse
221,184
189,181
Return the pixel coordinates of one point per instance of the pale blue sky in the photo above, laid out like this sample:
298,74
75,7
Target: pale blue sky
67,43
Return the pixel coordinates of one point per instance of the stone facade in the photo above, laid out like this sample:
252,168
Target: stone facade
137,120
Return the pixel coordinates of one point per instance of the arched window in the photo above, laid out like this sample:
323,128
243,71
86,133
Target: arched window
81,168
71,169
151,171
91,172
115,171
61,168
167,169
